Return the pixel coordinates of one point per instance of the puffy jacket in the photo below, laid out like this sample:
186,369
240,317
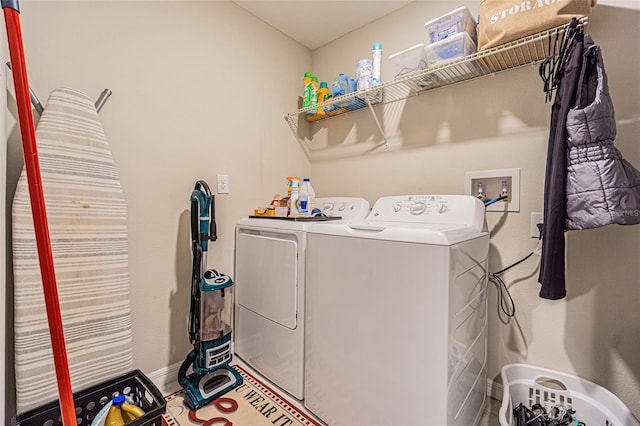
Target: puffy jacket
602,188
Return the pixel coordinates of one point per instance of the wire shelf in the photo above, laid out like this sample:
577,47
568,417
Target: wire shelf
526,51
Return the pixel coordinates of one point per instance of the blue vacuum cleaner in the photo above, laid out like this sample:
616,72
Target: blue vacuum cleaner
210,313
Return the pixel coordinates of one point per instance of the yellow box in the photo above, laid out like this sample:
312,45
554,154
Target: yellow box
264,212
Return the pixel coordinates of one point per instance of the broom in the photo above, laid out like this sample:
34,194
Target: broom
27,130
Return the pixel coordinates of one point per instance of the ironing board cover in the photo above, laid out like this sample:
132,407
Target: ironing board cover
88,229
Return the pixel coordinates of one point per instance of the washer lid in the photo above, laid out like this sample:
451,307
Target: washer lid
436,234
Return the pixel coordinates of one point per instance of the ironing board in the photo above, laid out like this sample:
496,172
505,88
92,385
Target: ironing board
88,228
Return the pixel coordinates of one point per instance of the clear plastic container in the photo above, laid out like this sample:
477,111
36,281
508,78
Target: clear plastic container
457,46
454,22
409,60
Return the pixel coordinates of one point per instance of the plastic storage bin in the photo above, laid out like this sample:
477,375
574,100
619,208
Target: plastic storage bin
593,404
457,46
455,22
409,60
90,401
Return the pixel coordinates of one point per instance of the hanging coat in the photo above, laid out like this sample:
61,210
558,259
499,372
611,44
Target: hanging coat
587,184
602,187
552,265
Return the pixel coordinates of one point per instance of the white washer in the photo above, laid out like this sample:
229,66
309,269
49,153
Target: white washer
396,319
270,289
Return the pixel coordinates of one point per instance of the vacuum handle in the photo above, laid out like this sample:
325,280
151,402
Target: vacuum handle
195,221
213,228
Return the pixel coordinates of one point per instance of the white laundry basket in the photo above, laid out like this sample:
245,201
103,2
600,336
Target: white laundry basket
593,404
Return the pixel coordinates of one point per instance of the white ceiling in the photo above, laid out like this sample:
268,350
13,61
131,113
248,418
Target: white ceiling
315,23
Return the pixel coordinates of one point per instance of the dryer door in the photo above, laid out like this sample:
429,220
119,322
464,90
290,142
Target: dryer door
267,274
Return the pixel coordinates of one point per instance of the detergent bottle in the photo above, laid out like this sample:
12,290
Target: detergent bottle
120,413
304,198
306,98
340,85
313,97
307,197
339,88
312,196
131,411
323,95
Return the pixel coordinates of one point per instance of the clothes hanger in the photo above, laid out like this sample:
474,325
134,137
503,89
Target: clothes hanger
552,68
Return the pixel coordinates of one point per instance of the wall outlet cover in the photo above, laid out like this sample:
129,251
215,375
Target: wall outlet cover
536,218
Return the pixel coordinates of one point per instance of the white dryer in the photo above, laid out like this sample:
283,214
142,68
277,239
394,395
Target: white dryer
396,314
270,289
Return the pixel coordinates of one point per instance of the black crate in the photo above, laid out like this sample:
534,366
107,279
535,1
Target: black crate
90,401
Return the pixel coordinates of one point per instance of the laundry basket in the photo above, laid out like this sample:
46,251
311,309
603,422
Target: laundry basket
89,402
593,404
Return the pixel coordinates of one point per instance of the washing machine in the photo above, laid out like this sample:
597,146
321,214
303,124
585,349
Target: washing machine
270,289
396,314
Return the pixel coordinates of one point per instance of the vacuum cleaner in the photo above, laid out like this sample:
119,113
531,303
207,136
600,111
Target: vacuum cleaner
210,313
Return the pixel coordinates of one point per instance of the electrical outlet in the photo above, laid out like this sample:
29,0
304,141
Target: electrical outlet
536,218
492,182
223,184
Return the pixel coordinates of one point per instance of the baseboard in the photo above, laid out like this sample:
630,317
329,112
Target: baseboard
166,378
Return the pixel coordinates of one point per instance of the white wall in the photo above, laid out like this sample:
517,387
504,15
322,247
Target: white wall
198,89
500,122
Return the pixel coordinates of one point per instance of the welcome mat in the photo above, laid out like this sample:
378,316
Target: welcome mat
251,404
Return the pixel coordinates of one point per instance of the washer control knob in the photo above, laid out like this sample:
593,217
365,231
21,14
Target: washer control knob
397,207
442,208
327,207
418,208
342,207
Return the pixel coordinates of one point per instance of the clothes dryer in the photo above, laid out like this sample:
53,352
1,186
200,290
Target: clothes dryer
270,289
396,314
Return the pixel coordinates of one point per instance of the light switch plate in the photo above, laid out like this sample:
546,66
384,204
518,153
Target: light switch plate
223,184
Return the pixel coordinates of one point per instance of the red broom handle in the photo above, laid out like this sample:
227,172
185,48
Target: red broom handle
41,227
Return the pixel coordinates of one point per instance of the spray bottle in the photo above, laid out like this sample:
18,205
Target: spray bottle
293,201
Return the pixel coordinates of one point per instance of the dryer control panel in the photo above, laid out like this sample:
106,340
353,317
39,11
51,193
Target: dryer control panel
445,209
348,208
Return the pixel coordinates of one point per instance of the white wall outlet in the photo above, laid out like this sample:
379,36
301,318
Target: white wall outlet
491,182
223,184
536,218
